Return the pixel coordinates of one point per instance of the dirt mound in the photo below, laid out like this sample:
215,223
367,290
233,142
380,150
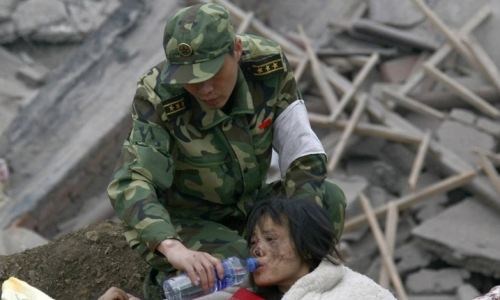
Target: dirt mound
79,265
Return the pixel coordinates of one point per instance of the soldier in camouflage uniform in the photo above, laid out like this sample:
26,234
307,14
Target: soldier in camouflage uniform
205,122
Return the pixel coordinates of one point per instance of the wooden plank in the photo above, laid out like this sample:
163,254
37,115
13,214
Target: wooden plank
419,160
325,89
414,105
391,226
450,35
446,49
358,80
382,246
243,27
463,92
346,134
484,60
490,170
409,200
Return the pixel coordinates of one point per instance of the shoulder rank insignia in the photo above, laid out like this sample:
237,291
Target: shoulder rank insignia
176,105
267,67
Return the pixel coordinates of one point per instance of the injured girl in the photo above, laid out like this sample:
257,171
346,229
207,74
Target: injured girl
295,245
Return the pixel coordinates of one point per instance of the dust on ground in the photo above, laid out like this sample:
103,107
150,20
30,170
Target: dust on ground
80,265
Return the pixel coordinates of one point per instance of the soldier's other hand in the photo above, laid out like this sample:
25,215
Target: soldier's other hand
115,293
193,262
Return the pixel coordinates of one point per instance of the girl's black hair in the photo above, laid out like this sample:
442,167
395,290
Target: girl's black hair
309,226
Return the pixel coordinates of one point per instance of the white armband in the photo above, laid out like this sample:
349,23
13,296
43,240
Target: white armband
293,136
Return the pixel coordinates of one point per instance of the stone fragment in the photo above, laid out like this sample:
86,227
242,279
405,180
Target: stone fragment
18,239
402,13
463,116
6,7
33,15
464,235
489,126
398,70
423,122
411,257
7,32
467,292
463,139
443,281
33,75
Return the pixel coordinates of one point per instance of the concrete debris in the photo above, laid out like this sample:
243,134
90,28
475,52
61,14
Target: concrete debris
463,235
467,292
443,281
18,239
403,13
410,257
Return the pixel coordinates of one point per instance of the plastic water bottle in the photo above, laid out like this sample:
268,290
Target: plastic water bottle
235,272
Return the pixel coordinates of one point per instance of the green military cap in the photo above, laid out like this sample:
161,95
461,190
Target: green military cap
195,41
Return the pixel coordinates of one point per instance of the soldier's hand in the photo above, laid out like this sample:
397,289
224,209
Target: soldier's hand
193,262
117,294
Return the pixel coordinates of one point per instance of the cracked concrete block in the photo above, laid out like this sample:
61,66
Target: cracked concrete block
31,16
18,239
467,292
398,70
463,139
7,32
443,281
463,115
402,13
489,126
464,235
411,257
6,7
423,122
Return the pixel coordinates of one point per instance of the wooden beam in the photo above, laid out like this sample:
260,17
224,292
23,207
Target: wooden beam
419,160
490,170
325,89
414,105
446,49
346,134
358,80
484,60
391,227
408,201
382,246
463,92
245,22
450,35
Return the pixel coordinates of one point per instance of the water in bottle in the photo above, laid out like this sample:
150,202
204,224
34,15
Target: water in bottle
235,272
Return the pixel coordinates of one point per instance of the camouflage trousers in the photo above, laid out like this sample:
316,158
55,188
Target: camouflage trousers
222,241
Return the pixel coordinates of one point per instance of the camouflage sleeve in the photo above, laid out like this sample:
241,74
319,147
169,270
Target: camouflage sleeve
143,174
304,178
305,175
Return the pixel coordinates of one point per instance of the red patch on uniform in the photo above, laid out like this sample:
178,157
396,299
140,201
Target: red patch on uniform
265,124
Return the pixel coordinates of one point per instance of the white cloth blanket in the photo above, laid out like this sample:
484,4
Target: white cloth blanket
329,281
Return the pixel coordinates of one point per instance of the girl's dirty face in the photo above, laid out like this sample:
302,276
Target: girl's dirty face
279,261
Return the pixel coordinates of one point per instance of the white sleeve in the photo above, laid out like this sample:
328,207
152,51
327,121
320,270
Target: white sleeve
293,136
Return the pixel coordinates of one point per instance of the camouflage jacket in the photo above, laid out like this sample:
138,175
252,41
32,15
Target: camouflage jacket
184,161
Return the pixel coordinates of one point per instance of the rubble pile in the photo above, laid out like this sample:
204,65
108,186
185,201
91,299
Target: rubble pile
404,95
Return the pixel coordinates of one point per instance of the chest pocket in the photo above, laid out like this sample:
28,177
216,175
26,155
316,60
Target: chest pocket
206,177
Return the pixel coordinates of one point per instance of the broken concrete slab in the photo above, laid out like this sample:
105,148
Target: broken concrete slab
33,75
442,281
432,297
7,32
18,239
463,235
410,257
467,292
398,70
79,173
463,116
488,126
6,7
423,122
403,13
31,16
463,139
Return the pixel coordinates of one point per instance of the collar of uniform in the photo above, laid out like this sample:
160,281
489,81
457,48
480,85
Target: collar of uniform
243,104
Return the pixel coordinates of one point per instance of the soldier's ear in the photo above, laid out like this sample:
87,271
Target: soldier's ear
238,49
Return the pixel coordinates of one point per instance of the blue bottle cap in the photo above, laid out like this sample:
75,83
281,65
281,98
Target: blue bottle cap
252,264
